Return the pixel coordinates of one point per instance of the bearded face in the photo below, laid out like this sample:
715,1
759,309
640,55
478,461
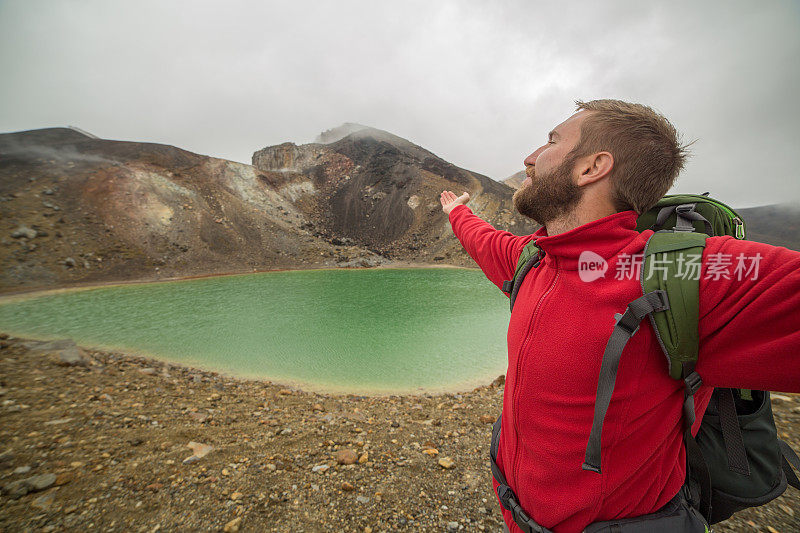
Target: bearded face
550,195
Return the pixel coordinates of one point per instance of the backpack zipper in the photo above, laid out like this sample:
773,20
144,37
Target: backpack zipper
732,215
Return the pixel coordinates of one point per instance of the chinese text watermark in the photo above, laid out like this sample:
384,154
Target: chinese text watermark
688,266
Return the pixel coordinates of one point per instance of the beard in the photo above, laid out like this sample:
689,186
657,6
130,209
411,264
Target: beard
550,195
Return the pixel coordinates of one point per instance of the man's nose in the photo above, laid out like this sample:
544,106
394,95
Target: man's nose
531,159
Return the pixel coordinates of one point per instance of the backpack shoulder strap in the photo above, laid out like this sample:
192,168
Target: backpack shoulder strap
672,262
674,303
528,258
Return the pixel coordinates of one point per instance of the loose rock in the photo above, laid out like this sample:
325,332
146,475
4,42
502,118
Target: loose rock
233,525
72,356
44,501
41,481
199,417
57,422
200,450
446,463
24,231
49,346
22,487
346,457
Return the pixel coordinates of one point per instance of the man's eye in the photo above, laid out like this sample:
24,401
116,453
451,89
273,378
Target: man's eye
551,142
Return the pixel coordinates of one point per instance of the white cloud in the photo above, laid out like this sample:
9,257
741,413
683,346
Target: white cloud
478,83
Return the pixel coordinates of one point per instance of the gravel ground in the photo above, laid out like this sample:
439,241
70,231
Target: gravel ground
100,441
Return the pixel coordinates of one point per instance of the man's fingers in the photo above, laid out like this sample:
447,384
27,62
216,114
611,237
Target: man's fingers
448,197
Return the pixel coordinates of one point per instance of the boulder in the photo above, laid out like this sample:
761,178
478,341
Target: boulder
346,457
17,489
49,346
72,356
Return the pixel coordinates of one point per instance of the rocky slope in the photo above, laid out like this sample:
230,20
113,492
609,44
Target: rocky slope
78,209
380,191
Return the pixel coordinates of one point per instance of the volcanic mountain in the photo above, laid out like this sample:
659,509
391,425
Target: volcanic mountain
381,191
77,209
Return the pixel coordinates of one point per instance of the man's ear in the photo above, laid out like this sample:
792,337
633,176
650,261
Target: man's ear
594,167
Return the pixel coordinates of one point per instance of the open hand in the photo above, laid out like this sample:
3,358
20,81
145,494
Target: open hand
449,200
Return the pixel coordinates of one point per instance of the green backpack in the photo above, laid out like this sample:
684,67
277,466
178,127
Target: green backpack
737,460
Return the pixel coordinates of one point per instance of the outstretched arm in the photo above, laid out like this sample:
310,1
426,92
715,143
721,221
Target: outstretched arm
495,251
749,316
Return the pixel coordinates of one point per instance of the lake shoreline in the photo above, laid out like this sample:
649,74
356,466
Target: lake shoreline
110,439
145,357
21,294
260,345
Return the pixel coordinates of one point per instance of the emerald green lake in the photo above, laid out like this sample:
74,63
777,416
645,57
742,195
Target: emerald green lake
354,331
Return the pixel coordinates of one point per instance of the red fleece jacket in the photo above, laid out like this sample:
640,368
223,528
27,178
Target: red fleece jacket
749,338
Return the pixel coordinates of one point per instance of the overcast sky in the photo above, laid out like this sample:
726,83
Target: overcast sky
478,83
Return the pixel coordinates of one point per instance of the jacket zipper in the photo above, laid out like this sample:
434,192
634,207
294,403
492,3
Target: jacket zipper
528,337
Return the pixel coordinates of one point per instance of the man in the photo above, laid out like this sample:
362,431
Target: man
598,171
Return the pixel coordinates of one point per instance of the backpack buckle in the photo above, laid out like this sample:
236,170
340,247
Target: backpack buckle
505,495
692,382
620,321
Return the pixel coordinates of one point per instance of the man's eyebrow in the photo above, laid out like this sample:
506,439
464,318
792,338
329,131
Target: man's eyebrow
553,134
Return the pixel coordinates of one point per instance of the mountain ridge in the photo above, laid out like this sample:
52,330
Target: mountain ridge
76,209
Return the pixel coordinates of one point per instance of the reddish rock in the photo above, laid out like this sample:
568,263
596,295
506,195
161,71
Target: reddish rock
346,457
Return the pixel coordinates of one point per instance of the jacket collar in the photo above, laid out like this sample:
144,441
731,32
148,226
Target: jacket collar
606,237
